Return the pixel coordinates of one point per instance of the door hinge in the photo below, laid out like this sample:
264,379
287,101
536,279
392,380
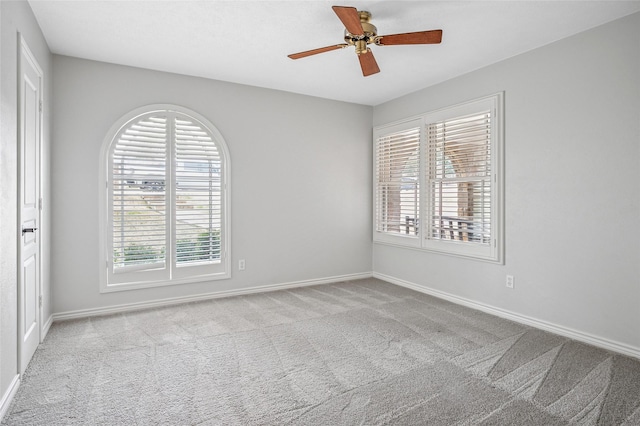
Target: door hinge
40,106
40,203
106,263
40,301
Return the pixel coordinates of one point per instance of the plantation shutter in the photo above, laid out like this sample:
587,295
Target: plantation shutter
138,195
198,195
459,178
397,169
166,200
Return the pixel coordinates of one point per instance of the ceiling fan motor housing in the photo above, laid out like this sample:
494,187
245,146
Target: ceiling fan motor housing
360,41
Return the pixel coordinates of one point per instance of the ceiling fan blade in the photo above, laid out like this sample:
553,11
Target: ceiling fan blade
350,19
316,51
368,63
420,37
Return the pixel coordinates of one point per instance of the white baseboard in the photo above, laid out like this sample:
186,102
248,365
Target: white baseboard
83,313
45,328
15,383
522,319
8,396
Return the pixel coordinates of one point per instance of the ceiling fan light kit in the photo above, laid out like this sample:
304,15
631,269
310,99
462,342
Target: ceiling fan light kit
360,33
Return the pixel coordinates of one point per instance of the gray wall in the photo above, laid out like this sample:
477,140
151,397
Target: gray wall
301,177
17,17
572,197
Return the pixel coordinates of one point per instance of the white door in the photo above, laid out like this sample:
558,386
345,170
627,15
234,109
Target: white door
30,87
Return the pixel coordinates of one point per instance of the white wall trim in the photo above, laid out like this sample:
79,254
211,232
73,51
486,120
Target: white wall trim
8,396
45,328
83,313
522,319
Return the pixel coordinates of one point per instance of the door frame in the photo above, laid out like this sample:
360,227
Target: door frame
25,51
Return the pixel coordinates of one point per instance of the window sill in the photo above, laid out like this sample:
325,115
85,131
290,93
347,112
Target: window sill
498,260
111,288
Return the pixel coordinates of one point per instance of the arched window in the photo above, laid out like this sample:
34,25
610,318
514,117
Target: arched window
165,207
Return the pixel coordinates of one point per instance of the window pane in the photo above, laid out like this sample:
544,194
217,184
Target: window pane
459,158
462,210
139,196
198,195
397,177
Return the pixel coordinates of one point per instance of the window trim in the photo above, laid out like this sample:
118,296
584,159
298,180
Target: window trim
104,202
494,252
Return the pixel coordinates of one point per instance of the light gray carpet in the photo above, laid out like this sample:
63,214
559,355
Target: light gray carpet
359,352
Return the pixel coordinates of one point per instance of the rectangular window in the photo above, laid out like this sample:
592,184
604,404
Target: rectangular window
438,181
397,174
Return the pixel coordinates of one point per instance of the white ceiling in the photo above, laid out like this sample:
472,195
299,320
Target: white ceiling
248,42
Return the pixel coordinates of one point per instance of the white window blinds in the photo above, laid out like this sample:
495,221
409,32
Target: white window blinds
138,194
397,182
438,181
459,178
198,195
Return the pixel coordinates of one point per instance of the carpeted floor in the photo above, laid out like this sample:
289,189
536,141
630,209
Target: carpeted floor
359,352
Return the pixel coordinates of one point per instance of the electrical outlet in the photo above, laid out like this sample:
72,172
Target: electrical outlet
241,265
510,281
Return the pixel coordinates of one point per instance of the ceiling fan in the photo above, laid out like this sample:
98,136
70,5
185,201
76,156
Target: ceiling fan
359,32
